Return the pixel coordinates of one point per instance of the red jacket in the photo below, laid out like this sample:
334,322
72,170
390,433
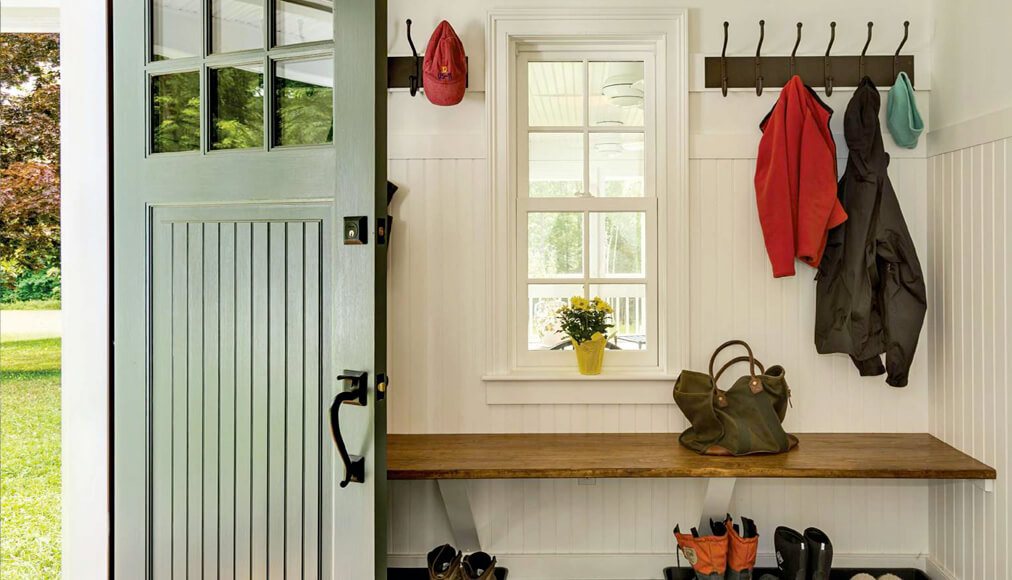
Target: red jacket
795,179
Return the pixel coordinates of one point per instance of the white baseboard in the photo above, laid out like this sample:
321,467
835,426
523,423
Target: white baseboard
937,571
642,566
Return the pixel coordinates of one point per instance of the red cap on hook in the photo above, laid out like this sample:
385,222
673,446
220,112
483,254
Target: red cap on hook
444,71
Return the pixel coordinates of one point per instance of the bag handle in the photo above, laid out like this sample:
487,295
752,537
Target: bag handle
751,357
755,385
734,361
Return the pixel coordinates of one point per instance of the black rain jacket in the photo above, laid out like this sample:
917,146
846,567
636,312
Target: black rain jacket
870,297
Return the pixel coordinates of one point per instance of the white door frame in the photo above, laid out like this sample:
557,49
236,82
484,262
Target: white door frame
85,219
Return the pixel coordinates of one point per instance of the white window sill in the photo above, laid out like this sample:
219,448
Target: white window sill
575,389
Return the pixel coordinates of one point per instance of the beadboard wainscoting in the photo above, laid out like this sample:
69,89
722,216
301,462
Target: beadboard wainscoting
968,351
562,528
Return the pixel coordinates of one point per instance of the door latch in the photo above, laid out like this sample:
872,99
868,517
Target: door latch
354,393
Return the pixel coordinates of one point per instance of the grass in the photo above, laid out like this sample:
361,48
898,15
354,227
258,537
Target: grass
30,448
31,305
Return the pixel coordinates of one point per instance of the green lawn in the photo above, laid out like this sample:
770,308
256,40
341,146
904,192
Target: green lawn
31,305
30,452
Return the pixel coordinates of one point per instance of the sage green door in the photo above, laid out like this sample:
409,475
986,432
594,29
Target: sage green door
244,132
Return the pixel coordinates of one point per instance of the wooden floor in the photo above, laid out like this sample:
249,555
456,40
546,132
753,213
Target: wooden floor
820,455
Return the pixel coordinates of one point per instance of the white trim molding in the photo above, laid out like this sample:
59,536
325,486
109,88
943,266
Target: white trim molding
664,33
84,133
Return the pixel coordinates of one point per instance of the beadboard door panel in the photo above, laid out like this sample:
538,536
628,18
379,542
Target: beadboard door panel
968,351
237,410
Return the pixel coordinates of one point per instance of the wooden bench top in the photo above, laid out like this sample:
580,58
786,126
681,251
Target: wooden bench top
819,455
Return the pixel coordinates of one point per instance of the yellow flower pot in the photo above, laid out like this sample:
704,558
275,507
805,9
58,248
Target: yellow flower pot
590,355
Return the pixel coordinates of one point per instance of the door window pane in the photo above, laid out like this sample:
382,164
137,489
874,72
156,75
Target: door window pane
554,244
556,165
543,332
629,302
305,102
237,107
617,244
616,164
555,94
304,21
175,29
236,25
175,112
616,93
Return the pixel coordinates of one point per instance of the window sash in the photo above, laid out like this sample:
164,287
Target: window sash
585,204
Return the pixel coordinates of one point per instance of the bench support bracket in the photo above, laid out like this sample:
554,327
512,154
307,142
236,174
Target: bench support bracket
458,511
717,502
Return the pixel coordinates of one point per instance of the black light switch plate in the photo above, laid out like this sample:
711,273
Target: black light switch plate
356,230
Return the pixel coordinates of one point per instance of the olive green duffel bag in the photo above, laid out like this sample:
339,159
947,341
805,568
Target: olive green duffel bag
746,419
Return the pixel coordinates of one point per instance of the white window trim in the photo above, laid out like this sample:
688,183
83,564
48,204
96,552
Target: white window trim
665,29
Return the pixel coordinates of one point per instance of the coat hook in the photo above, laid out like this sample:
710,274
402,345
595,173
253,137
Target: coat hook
723,63
415,78
758,61
896,57
827,71
793,52
865,49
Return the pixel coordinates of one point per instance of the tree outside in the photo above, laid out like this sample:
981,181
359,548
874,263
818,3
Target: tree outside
30,545
29,166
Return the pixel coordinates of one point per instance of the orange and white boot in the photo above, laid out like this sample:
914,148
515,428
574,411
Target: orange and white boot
742,546
706,554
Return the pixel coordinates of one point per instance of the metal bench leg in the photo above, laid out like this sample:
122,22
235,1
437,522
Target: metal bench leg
458,510
717,501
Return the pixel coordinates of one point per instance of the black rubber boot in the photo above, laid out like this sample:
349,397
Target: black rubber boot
792,554
820,554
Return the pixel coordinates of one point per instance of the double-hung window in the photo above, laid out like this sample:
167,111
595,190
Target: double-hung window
586,199
588,149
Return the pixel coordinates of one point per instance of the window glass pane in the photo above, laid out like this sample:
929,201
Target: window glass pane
629,302
305,102
556,165
617,244
555,245
616,164
304,21
236,25
543,332
237,107
175,29
616,94
175,112
555,94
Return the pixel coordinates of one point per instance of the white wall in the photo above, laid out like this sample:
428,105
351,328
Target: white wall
968,267
967,78
561,529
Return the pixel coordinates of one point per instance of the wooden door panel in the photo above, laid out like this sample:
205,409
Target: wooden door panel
238,401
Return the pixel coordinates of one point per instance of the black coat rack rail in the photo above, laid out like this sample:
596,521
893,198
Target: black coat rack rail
827,71
405,72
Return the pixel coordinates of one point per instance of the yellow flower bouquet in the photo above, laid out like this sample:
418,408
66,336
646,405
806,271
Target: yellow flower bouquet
586,322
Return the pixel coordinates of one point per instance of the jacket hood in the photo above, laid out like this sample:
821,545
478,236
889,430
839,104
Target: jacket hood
862,130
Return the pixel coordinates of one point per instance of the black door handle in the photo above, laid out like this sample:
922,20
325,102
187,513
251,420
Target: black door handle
354,465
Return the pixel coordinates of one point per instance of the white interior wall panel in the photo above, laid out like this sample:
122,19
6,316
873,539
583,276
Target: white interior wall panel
437,318
968,352
437,328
